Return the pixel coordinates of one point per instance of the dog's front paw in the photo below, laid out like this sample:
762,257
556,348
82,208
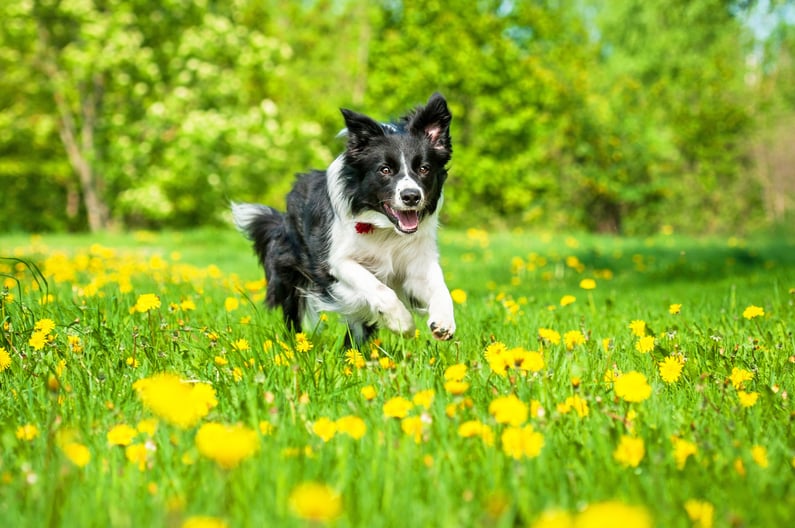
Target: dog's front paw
442,329
398,319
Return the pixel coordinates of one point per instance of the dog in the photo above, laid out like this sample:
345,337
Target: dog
360,238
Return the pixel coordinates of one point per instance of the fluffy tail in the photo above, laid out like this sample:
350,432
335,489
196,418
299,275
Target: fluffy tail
260,224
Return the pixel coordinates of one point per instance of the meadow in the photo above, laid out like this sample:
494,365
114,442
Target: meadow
593,381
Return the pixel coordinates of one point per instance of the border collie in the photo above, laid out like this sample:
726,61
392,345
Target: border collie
359,238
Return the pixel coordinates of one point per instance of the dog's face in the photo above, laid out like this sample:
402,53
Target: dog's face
398,169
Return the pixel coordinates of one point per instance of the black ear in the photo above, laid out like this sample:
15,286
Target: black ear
433,121
361,130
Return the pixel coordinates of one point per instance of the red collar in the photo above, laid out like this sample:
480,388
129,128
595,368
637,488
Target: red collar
364,228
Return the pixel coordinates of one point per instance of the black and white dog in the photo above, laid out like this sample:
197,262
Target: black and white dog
359,238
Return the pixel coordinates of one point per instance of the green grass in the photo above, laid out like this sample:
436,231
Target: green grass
514,284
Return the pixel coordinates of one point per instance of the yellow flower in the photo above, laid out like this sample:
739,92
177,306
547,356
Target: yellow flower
456,387
674,309
266,428
573,338
180,403
302,343
241,344
187,305
121,435
5,359
753,311
203,521
632,387
475,428
455,372
368,392
630,451
38,340
27,432
424,398
700,512
413,427
355,358
459,296
509,410
739,376
671,369
645,344
613,513
352,426
683,449
227,445
147,426
518,442
567,300
530,361
397,407
231,304
579,405
324,428
317,502
747,399
146,302
137,454
587,284
44,326
638,328
759,454
548,335
496,357
77,453
554,518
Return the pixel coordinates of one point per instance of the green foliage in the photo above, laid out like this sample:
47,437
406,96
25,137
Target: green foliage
622,116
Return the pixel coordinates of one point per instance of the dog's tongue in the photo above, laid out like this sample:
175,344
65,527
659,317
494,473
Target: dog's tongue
408,220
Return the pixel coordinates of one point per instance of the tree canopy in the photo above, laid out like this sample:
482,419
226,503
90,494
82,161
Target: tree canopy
618,116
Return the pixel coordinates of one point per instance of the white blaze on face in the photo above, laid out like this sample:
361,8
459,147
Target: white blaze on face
406,183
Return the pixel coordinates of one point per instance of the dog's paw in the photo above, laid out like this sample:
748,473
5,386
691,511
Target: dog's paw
398,319
442,330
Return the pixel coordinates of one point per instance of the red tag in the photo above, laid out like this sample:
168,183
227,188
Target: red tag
363,228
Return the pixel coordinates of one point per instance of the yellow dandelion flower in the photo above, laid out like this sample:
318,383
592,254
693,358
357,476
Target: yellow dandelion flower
638,328
522,442
352,426
227,445
554,518
27,432
759,454
739,466
424,398
121,435
632,387
747,399
147,426
509,410
573,338
645,344
476,429
496,357
567,300
368,392
587,284
683,449
753,311
529,361
302,343
671,369
316,502
613,513
630,451
459,296
77,453
413,426
231,304
455,387
187,305
5,359
266,428
44,326
549,336
179,403
137,454
324,428
740,376
147,302
455,372
241,344
397,407
38,340
674,309
701,513
575,403
355,358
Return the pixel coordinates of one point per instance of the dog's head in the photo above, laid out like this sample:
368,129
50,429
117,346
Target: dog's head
397,169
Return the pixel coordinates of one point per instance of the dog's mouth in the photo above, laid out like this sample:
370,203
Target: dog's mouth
407,221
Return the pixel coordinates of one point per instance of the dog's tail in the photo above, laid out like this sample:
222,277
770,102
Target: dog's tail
260,224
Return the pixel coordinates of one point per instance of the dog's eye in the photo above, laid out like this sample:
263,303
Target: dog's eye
425,169
385,170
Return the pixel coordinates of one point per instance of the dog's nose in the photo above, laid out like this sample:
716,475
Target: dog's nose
410,197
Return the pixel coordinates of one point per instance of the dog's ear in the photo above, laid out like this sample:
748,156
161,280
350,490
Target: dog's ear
360,129
433,122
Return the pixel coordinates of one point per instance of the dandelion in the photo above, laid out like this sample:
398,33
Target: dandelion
476,429
397,407
573,338
530,361
549,336
302,343
27,432
455,387
44,326
554,518
740,376
147,426
455,372
179,403
324,428
352,426
759,455
683,449
613,513
701,513
671,369
459,296
5,359
241,344
587,284
424,398
519,442
567,300
645,344
496,357
747,399
355,358
316,502
413,426
38,340
509,410
674,309
638,328
579,405
147,302
203,521
231,304
368,392
753,311
137,454
121,435
77,453
632,387
630,451
227,445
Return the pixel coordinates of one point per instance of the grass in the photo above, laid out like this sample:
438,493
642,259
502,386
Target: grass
714,447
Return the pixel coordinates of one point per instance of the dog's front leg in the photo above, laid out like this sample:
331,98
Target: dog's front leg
431,290
358,286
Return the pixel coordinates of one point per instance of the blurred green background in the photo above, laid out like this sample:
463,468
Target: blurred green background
625,116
